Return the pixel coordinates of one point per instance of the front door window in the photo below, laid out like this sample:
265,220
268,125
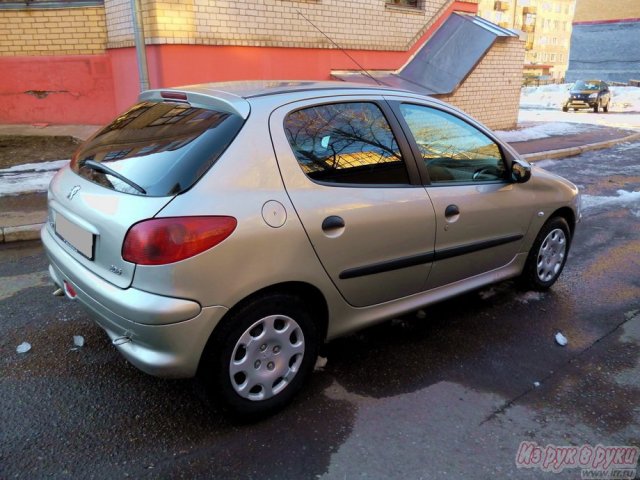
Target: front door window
453,151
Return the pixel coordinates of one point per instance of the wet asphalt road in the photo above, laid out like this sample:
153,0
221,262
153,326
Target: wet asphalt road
451,394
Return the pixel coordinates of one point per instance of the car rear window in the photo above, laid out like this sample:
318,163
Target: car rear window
161,147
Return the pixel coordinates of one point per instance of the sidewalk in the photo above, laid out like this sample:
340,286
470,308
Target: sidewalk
22,216
574,144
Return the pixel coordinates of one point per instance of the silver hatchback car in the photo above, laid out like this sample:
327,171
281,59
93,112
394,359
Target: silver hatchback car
228,230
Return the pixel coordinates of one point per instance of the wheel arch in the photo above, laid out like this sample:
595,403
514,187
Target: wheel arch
310,294
213,367
569,215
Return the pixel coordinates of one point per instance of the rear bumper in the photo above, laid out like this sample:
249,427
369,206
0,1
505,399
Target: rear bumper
160,335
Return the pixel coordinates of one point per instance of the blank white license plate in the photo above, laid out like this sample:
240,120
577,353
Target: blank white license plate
76,237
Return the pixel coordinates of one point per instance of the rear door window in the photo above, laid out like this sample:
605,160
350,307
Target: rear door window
346,143
161,147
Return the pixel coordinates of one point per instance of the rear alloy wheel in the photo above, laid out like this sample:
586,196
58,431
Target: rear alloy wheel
547,255
261,355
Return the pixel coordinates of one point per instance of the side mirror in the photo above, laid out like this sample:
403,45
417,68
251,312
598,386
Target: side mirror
520,171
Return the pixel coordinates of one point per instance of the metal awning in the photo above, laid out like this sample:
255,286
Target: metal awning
444,61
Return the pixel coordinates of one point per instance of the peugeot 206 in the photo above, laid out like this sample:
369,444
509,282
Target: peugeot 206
226,231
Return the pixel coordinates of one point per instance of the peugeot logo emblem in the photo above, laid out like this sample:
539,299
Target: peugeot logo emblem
73,192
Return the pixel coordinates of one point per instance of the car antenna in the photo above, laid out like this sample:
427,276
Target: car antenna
342,50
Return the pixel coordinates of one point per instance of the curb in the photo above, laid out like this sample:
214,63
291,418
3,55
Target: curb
573,151
32,232
20,233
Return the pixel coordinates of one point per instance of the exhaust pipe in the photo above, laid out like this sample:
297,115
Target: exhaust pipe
58,292
121,340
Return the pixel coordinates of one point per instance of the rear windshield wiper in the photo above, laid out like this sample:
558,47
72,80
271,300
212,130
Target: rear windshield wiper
99,167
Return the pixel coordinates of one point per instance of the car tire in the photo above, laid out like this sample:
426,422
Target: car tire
260,356
565,109
547,256
596,107
605,108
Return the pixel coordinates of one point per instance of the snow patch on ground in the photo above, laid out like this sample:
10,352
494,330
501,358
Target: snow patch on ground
544,96
625,99
28,178
546,163
543,130
486,294
529,297
36,167
625,199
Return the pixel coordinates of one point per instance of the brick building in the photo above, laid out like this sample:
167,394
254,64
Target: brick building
605,41
74,61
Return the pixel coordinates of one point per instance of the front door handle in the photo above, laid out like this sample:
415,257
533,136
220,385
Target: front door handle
451,211
333,222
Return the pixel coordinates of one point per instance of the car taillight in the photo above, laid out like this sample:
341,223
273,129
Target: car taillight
166,240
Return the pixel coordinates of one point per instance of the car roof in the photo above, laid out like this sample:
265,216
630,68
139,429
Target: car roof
259,88
235,96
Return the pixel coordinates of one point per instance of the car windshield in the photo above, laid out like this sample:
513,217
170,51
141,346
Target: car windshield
586,85
156,148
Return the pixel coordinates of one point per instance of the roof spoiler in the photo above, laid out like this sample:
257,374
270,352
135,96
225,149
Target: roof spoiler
201,97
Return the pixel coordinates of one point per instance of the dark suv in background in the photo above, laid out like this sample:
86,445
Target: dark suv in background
588,94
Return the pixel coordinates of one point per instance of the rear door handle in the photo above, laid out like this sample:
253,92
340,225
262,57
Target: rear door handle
451,211
332,222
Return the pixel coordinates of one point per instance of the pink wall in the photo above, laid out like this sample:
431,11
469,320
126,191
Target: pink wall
56,89
92,89
173,65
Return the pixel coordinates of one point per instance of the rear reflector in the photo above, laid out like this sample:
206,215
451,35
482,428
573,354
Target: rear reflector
174,95
167,240
68,288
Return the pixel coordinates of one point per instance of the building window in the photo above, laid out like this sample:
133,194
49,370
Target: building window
403,3
38,4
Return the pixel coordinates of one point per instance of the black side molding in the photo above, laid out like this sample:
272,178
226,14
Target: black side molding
474,247
423,258
387,266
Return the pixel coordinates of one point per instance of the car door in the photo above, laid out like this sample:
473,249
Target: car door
481,215
354,184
